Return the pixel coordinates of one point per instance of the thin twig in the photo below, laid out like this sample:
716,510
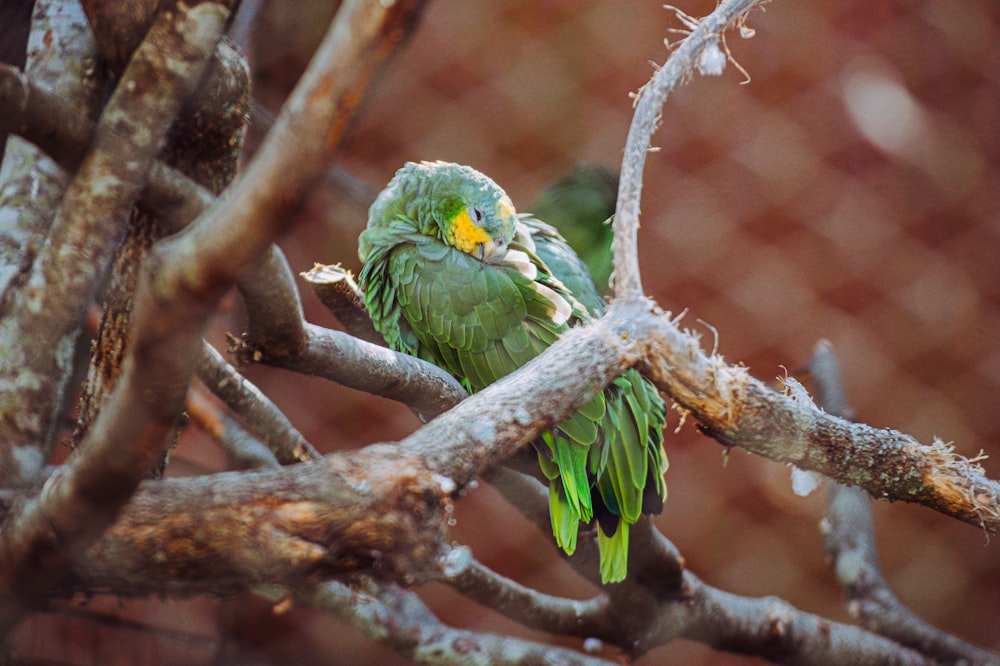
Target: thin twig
243,448
263,416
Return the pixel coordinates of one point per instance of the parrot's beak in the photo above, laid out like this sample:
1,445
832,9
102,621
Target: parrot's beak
492,251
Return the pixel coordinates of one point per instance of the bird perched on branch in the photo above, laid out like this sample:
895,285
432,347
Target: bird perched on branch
453,275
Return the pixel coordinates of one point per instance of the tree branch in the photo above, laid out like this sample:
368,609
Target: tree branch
182,281
773,629
263,416
649,103
46,315
336,289
277,331
78,503
738,410
398,619
593,618
240,445
849,536
31,187
375,511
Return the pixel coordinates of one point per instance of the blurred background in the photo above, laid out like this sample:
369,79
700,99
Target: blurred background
850,190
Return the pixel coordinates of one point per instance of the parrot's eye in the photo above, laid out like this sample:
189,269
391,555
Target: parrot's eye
477,214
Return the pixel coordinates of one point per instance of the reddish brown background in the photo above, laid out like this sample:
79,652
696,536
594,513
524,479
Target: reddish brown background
767,214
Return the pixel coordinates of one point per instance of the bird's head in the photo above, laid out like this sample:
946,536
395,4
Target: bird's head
463,207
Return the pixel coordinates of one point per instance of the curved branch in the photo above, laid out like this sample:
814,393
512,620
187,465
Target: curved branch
587,619
849,537
651,98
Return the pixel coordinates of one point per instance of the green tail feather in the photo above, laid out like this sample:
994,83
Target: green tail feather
614,554
565,523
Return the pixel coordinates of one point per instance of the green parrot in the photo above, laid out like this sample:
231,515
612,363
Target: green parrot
453,275
580,206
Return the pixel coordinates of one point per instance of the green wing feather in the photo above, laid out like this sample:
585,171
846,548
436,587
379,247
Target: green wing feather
580,205
481,321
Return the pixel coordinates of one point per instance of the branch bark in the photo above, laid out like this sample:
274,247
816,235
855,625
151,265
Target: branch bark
849,537
63,60
399,619
375,511
181,283
78,503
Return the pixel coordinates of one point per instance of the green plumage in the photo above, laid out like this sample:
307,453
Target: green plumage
580,206
453,275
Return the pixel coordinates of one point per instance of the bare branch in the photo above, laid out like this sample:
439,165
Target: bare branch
243,448
490,426
375,511
738,410
262,415
276,326
77,504
63,60
849,536
274,310
649,611
592,618
63,282
651,98
398,619
336,289
773,629
183,279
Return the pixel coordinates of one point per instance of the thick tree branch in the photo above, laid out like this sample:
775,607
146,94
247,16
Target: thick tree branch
276,328
183,280
375,511
31,187
78,503
63,132
46,315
